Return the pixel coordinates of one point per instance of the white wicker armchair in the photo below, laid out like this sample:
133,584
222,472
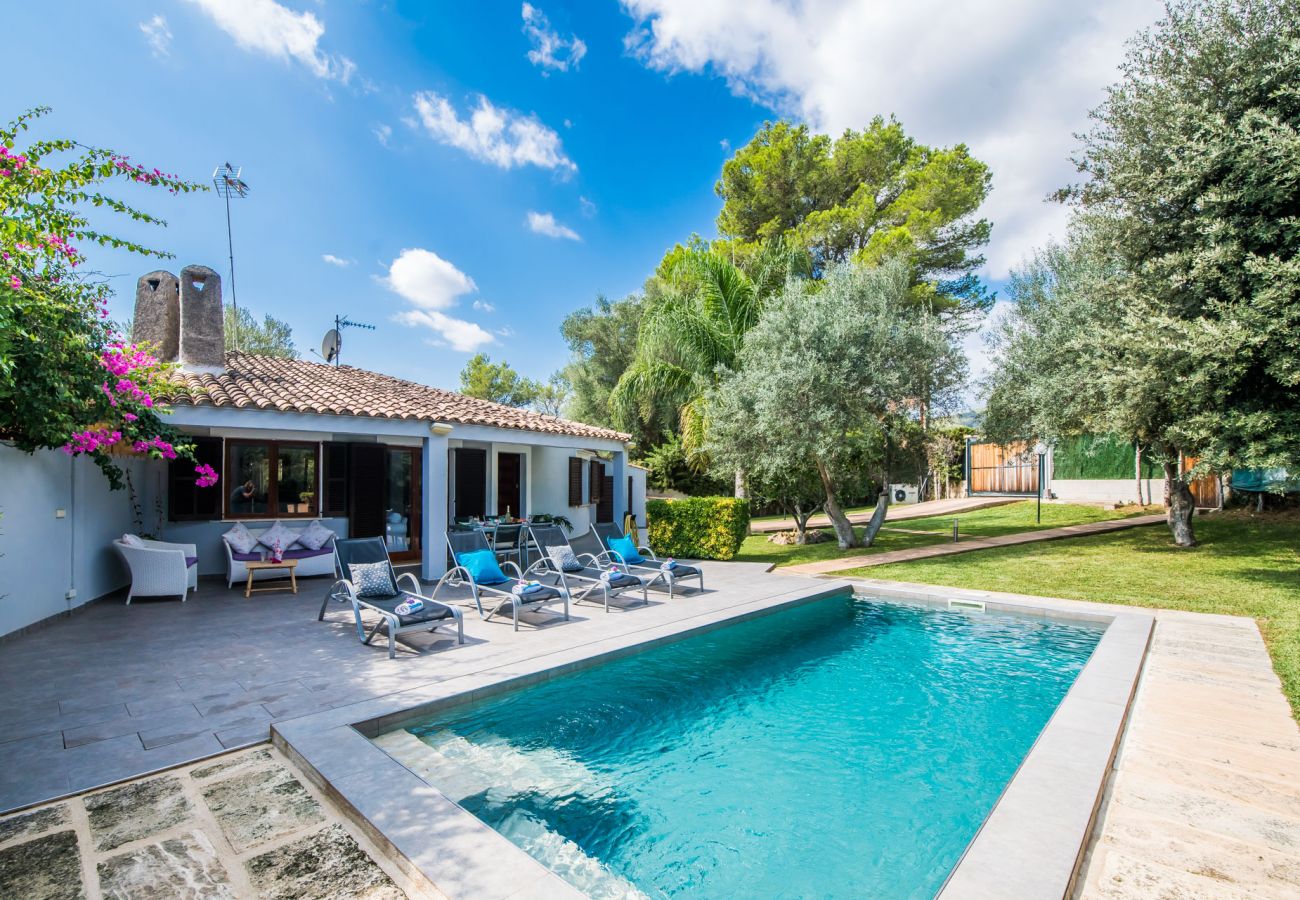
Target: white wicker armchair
159,569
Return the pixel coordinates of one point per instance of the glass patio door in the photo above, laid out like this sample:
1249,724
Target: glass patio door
402,508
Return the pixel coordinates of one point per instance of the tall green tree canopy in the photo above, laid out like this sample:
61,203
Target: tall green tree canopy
270,337
1173,316
602,340
828,373
500,383
866,196
692,330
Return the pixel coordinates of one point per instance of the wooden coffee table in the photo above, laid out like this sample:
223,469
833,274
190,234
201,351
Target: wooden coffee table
289,565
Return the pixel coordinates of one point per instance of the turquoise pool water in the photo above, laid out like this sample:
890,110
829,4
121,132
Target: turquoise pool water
846,748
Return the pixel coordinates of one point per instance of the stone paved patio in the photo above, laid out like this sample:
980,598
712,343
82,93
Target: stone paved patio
114,692
244,825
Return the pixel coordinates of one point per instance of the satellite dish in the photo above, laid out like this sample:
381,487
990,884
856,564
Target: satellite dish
331,345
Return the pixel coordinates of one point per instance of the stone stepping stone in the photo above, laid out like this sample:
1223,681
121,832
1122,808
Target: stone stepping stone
181,868
321,866
136,811
48,868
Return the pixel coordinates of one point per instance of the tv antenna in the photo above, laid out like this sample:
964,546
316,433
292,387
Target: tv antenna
228,183
332,344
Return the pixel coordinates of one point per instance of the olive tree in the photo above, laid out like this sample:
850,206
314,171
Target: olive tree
828,372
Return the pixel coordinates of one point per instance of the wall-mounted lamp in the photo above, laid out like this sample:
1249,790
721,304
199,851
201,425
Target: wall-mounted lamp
442,429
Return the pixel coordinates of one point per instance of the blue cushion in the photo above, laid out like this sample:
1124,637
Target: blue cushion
625,547
482,566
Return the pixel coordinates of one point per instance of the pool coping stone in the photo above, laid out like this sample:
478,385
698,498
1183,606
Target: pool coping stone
1031,844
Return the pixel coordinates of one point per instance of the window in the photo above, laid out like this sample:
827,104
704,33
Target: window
186,501
575,481
270,479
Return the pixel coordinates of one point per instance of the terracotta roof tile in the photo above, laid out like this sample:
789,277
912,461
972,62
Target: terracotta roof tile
298,385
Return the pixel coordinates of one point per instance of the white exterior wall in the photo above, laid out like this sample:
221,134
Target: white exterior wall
549,477
1107,490
42,557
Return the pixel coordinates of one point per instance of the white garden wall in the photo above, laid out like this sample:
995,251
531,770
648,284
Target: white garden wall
43,556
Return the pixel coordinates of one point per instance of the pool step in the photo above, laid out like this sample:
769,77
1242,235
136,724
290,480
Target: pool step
494,768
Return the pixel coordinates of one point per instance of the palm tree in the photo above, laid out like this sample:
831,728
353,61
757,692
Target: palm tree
691,333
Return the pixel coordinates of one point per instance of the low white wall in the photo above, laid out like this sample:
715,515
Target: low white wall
1107,490
42,556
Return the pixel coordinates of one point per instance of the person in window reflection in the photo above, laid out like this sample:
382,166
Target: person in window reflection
241,498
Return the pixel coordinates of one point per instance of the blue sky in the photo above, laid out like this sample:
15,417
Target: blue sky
353,124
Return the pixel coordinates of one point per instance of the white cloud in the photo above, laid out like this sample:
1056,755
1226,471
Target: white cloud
336,260
382,133
456,333
432,284
587,208
1012,79
267,27
502,137
550,50
484,306
544,223
158,35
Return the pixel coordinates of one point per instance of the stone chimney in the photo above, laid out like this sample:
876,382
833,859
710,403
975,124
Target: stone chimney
202,328
158,313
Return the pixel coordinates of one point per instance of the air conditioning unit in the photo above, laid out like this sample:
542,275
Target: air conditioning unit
903,493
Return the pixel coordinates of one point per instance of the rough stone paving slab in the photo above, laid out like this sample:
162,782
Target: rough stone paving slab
48,868
258,806
33,823
136,811
183,868
244,761
320,866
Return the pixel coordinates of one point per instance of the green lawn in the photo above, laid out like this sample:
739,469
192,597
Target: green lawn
1245,566
989,522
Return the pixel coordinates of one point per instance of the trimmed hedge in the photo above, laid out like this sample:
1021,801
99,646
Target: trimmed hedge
698,527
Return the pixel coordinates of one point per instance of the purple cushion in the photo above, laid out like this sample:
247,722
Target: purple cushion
308,554
244,557
190,560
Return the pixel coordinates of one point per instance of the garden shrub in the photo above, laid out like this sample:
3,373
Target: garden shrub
698,527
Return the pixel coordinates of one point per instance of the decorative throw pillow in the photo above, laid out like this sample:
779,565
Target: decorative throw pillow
315,536
564,558
625,550
372,579
482,566
278,532
132,541
240,539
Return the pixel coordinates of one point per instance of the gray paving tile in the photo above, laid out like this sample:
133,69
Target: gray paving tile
76,737
243,735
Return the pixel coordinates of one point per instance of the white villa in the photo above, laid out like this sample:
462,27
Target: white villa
294,440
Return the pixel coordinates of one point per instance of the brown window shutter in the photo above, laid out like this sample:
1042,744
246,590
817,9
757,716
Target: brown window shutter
596,481
575,481
336,480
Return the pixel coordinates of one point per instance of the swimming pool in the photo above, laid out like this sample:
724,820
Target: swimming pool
847,747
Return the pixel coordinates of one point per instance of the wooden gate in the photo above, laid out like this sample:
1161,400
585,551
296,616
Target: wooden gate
1205,489
993,469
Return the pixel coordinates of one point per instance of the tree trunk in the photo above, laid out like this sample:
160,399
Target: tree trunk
877,519
1137,469
742,485
801,517
844,532
1180,506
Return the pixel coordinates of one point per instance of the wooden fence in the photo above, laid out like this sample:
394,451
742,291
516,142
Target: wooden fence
992,469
